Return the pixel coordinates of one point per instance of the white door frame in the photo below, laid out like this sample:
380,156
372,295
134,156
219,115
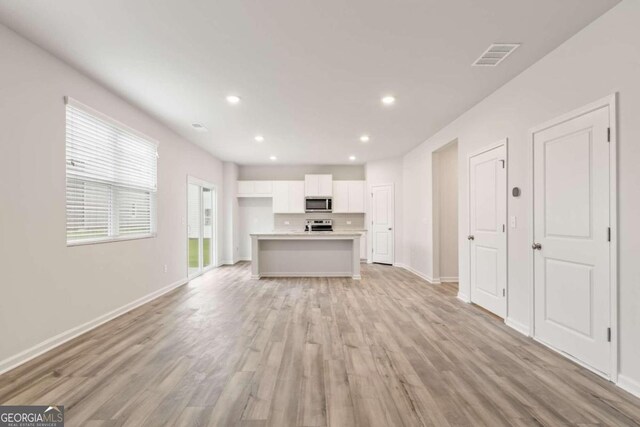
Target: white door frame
393,225
610,102
214,244
497,144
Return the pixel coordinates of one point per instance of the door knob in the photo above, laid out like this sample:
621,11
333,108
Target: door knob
536,246
470,237
390,228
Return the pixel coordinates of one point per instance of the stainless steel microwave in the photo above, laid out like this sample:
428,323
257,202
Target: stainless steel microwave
318,204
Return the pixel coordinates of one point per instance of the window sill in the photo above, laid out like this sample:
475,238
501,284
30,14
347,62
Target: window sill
110,240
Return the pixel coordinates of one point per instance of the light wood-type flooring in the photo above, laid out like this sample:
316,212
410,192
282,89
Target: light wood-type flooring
390,350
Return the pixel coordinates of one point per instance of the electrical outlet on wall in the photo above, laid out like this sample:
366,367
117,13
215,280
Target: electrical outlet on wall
513,222
166,268
348,222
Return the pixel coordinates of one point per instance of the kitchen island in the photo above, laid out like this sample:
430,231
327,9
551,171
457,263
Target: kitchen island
305,254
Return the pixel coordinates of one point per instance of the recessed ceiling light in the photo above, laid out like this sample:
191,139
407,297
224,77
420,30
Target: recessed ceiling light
233,99
352,158
364,138
199,126
273,158
388,100
259,138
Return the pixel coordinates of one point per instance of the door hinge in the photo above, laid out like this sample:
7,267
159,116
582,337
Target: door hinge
608,234
503,228
503,163
504,292
608,334
608,134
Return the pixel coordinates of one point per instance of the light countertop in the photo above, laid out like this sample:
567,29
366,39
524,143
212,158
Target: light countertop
310,234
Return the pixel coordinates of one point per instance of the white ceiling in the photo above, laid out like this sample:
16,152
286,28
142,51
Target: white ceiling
310,73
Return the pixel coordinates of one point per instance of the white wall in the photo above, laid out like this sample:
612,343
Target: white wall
230,234
446,229
388,171
46,287
601,59
297,172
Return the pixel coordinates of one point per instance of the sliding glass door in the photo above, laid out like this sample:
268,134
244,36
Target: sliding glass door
200,226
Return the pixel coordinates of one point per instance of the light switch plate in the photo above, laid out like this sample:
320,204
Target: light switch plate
348,222
286,223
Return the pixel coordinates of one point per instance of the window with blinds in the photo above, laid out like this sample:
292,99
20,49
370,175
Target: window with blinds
111,179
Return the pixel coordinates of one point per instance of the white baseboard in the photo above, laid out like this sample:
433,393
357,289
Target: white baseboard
229,262
53,342
518,326
463,297
627,384
449,279
421,275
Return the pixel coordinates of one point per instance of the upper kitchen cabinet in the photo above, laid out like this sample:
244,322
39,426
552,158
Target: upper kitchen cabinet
255,189
318,185
348,196
288,196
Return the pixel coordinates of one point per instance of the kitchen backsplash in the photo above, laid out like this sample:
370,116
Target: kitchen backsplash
340,220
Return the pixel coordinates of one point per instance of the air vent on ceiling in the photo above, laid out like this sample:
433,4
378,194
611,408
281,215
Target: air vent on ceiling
496,53
199,126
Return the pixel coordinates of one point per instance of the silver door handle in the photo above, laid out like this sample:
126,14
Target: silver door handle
536,246
471,237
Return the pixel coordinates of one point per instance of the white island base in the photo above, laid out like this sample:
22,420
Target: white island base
304,254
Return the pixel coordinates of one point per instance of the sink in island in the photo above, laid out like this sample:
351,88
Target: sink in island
305,254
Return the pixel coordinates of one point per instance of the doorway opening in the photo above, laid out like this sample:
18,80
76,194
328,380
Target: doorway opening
445,213
201,227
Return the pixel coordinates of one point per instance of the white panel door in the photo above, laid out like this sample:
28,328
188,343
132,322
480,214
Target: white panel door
571,227
296,196
340,196
325,185
356,196
280,196
487,229
382,213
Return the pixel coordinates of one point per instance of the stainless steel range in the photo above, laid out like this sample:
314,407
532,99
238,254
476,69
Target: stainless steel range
318,225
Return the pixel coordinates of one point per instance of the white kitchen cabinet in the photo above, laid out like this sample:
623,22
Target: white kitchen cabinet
348,196
288,197
318,185
363,245
356,196
263,187
280,196
325,185
255,188
245,187
340,196
296,196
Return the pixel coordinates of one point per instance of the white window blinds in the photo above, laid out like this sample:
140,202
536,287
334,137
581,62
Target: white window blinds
111,179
